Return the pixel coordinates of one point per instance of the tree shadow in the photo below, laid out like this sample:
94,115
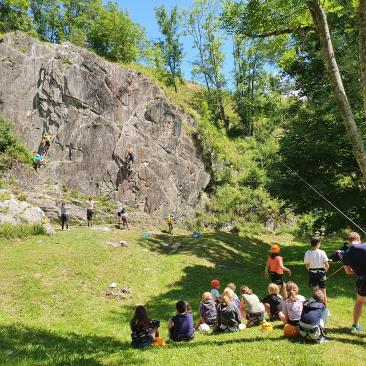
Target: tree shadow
24,345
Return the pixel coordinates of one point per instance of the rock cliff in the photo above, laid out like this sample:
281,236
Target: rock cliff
94,110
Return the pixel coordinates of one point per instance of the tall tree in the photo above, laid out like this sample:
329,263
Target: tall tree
263,19
170,45
203,25
14,14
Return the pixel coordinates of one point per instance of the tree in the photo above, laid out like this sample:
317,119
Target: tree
259,19
114,35
14,15
170,45
203,25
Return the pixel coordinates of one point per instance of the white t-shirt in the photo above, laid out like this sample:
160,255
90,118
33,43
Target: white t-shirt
315,258
293,309
90,205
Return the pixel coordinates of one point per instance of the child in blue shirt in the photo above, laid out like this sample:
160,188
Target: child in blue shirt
181,327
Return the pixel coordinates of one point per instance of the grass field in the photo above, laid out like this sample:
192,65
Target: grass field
53,310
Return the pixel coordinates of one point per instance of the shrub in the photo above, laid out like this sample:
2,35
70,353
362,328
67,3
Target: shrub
9,231
11,149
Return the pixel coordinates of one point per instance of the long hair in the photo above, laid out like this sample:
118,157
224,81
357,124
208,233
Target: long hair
245,290
140,320
292,290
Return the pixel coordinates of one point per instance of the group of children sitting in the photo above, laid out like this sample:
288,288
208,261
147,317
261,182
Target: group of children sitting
226,312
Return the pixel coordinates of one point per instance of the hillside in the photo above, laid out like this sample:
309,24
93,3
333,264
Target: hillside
53,310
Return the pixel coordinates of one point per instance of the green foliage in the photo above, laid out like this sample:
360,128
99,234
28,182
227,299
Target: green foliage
113,34
14,15
5,196
305,225
9,231
11,149
170,46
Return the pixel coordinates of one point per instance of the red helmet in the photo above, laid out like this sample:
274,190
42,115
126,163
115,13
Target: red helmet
215,283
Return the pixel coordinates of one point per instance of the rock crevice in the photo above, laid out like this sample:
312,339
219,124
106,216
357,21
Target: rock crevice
95,110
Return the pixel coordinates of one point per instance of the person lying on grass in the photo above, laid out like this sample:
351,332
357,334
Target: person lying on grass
228,314
293,305
250,307
207,310
273,302
143,329
181,326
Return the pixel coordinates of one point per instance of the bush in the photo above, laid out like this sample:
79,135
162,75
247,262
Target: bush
9,231
11,149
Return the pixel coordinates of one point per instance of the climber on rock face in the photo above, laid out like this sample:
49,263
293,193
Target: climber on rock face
131,157
46,142
38,162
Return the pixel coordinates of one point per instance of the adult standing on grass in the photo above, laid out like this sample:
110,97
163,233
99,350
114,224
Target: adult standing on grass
89,211
354,263
64,214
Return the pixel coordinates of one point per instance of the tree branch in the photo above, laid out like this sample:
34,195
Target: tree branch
303,29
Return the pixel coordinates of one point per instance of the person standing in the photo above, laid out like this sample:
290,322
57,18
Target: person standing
89,211
354,263
64,215
316,262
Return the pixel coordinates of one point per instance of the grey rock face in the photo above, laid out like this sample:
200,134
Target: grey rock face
94,111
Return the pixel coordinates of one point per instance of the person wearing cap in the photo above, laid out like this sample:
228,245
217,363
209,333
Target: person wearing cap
275,266
215,285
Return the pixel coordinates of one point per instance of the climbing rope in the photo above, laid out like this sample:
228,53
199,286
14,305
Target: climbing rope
324,198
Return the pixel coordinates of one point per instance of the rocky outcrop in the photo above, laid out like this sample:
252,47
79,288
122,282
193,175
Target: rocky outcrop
14,211
94,111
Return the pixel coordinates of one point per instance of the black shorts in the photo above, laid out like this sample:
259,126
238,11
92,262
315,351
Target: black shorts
89,215
317,277
277,278
64,218
361,285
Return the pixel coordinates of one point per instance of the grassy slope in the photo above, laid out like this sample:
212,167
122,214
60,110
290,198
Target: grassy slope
53,312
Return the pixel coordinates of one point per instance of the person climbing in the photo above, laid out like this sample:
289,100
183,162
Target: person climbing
46,143
131,157
38,162
170,219
89,211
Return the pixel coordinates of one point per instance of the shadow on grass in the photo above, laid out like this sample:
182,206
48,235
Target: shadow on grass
232,258
29,346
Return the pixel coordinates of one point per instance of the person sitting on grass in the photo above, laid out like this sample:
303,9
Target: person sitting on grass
293,305
228,314
143,329
250,307
313,318
273,302
181,326
207,310
236,298
215,285
275,266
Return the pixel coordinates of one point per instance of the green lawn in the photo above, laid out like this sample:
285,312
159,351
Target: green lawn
53,310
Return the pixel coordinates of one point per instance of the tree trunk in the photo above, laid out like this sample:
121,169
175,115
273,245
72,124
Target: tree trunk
362,48
321,25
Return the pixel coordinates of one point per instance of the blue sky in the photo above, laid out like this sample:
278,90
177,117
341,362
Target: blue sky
142,12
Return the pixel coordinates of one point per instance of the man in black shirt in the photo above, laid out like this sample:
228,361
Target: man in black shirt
354,262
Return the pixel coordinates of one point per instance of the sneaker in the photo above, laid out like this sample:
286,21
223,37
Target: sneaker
323,340
356,328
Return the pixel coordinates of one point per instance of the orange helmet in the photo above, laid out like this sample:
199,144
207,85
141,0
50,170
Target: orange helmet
275,248
215,283
290,331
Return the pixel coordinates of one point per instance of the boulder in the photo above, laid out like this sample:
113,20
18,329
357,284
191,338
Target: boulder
94,111
17,212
